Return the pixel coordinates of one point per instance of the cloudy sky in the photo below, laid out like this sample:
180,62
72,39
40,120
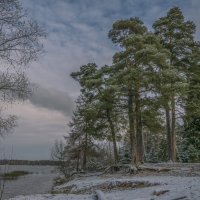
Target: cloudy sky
77,34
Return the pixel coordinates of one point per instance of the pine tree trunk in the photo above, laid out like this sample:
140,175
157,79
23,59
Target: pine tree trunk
85,152
113,135
173,121
168,126
173,134
140,149
133,141
77,163
131,118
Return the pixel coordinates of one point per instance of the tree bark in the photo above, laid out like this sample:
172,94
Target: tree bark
85,151
133,141
131,118
168,126
77,163
113,135
139,137
173,134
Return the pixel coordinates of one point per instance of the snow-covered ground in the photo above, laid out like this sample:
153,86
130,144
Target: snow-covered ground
160,186
168,181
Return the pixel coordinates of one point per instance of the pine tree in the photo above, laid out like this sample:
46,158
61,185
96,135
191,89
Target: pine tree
192,103
190,145
110,109
178,37
153,80
132,69
103,101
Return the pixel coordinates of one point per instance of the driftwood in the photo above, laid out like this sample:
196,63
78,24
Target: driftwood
160,192
100,195
179,198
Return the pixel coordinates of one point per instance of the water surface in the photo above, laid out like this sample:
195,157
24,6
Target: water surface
40,180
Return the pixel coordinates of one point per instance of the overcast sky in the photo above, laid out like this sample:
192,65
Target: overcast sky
77,34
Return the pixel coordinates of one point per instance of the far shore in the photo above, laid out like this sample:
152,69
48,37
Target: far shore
29,162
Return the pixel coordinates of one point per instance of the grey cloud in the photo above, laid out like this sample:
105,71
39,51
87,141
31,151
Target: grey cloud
52,99
192,13
37,128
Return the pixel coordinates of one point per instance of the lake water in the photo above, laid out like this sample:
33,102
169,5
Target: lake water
40,180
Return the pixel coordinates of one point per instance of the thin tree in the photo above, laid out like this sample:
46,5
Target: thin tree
20,43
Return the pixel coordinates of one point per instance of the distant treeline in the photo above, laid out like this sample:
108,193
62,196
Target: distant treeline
29,162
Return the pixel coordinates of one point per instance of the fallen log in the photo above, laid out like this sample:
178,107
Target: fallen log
153,168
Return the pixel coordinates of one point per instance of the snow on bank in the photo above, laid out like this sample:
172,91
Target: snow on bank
90,184
172,188
158,187
54,197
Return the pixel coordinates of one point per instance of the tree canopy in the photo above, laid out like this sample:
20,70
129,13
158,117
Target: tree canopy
147,98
